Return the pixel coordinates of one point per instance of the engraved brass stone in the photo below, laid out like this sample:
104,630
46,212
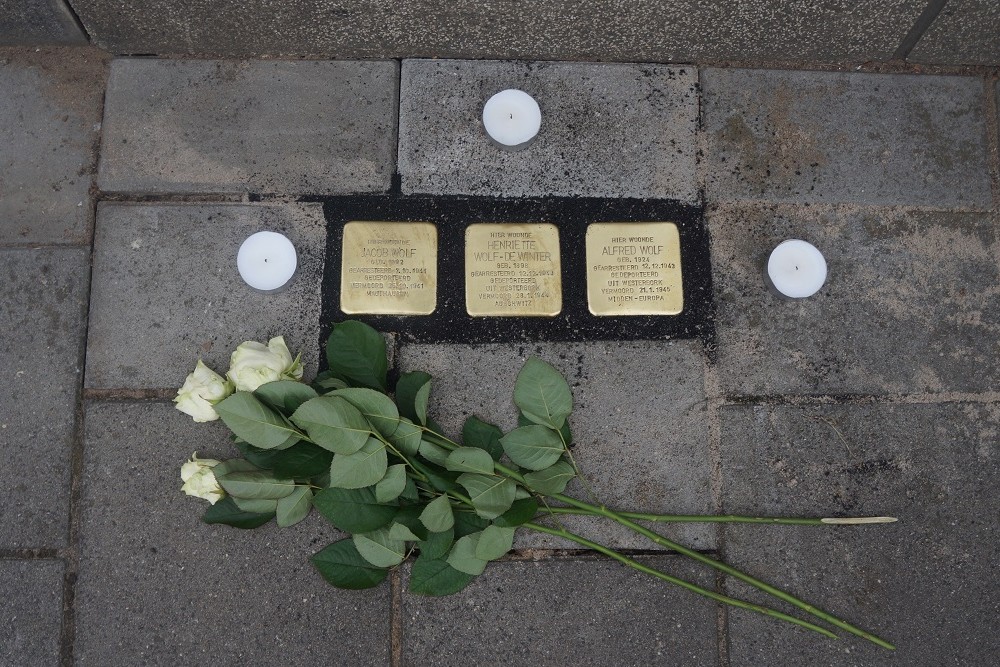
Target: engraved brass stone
389,268
512,270
634,268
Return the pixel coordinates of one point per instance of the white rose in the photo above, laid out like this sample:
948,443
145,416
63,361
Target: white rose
199,480
254,364
202,389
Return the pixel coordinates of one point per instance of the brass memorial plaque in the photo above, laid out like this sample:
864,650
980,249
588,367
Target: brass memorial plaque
389,268
634,268
512,270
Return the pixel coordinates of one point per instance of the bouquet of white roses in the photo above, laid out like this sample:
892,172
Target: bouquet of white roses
377,466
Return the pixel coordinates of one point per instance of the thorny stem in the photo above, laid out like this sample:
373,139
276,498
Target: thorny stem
690,553
565,534
727,518
722,567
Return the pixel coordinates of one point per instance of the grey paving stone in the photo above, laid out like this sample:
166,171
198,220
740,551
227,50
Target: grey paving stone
840,137
30,612
966,32
315,127
925,583
910,303
166,290
637,31
43,302
586,612
158,587
607,130
50,120
638,423
33,22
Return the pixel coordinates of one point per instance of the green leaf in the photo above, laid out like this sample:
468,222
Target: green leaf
407,437
256,505
356,353
564,431
390,486
302,461
233,465
295,507
410,491
362,468
437,544
398,531
353,510
467,523
551,480
254,422
285,396
379,549
342,566
438,516
494,542
542,394
477,433
376,407
420,403
226,512
328,381
521,512
407,388
334,424
463,555
409,517
521,493
433,453
433,576
442,480
470,459
533,447
262,458
490,496
256,484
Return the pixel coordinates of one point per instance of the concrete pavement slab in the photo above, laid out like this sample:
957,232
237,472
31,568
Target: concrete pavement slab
564,612
43,310
30,612
638,31
166,290
829,137
638,423
910,305
924,583
293,127
608,130
34,22
159,587
50,121
966,32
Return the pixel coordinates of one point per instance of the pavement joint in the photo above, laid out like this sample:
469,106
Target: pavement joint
991,90
41,553
72,553
944,397
396,622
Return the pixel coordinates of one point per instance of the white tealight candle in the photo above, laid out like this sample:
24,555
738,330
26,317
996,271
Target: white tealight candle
512,118
796,268
266,261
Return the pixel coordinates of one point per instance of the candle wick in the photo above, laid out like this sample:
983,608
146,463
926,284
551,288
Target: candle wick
512,116
265,261
796,268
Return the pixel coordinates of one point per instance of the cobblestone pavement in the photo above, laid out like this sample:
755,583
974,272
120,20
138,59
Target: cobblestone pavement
127,184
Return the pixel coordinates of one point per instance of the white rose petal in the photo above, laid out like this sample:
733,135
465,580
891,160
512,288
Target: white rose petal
254,364
201,390
199,480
